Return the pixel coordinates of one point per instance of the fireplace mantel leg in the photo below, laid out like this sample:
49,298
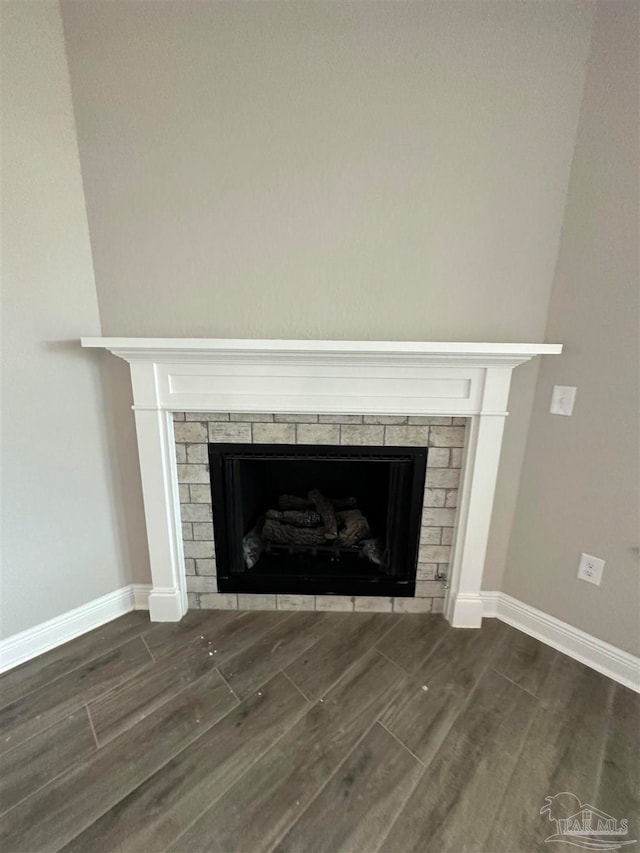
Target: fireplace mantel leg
156,449
464,606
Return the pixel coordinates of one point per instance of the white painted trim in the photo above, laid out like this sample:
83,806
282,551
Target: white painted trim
53,633
490,601
167,605
464,611
156,450
153,346
140,592
611,661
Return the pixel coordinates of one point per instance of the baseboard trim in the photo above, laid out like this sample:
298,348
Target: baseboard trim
603,657
466,611
140,593
589,650
166,605
48,635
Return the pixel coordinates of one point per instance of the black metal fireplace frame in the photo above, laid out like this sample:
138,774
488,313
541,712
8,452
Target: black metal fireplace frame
222,458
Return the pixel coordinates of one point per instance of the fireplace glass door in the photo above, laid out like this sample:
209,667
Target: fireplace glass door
317,519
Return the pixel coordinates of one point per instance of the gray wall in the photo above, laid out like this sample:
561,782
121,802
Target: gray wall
320,170
328,170
60,540
353,170
579,489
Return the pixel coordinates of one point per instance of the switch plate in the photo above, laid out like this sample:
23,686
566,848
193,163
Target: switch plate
562,399
590,569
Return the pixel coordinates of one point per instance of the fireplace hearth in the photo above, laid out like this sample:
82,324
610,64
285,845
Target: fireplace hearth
317,520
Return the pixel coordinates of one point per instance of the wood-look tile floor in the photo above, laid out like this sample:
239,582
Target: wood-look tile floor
274,731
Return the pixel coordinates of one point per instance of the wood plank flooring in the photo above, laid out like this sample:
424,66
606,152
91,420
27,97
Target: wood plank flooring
307,733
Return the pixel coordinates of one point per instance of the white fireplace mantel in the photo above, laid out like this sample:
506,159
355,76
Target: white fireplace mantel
352,377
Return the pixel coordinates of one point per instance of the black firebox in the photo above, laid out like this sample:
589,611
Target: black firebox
317,519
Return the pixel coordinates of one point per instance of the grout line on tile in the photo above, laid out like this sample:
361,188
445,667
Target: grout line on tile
395,663
293,684
237,698
146,645
511,681
93,728
403,745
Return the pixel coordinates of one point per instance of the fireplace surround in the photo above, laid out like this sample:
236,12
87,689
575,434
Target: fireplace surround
349,377
197,433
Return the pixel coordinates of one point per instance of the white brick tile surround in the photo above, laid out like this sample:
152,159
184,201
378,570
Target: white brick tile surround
442,435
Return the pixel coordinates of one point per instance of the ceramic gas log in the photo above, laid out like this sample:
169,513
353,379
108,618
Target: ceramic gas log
326,524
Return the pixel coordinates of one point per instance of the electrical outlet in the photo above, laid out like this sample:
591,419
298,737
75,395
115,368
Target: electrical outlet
590,569
563,399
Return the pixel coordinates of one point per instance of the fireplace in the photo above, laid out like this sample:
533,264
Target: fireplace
348,378
316,519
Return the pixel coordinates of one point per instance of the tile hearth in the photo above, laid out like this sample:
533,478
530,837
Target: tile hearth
444,436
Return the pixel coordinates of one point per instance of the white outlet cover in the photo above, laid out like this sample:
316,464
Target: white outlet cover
563,399
590,569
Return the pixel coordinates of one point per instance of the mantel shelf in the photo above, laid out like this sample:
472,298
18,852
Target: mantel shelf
204,349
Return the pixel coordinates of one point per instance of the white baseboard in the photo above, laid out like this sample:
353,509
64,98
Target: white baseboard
167,605
140,593
48,635
490,601
465,611
603,657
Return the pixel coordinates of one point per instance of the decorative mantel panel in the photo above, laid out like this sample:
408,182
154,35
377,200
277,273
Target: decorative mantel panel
350,377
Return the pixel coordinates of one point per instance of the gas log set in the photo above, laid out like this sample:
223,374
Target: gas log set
313,524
